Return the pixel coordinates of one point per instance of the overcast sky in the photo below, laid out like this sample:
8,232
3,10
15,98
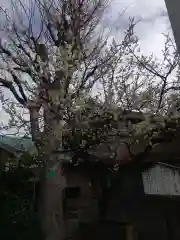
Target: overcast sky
151,13
153,22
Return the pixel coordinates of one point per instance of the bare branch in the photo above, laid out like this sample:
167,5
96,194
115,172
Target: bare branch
9,85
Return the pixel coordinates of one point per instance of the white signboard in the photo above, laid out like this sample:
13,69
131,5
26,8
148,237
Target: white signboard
161,180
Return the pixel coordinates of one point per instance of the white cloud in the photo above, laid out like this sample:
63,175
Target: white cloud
151,13
153,21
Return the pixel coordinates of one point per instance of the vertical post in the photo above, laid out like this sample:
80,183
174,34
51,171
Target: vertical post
173,7
130,233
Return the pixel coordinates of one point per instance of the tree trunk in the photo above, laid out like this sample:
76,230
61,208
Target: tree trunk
51,208
53,182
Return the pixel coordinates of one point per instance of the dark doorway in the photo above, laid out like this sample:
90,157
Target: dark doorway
173,230
70,202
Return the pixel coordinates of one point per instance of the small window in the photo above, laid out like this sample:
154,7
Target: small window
72,192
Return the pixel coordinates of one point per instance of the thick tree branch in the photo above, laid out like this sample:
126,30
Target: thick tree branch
9,85
18,83
16,60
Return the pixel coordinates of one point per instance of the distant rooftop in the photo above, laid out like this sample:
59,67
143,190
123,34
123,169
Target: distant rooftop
17,144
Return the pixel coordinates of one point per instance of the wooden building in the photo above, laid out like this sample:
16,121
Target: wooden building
147,198
84,185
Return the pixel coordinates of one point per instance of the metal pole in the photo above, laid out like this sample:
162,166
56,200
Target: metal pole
173,7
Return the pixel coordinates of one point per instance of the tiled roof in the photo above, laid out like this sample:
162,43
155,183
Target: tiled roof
17,144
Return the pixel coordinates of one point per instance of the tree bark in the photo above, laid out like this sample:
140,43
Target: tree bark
53,181
51,205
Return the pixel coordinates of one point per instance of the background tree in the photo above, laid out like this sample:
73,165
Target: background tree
144,83
18,200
